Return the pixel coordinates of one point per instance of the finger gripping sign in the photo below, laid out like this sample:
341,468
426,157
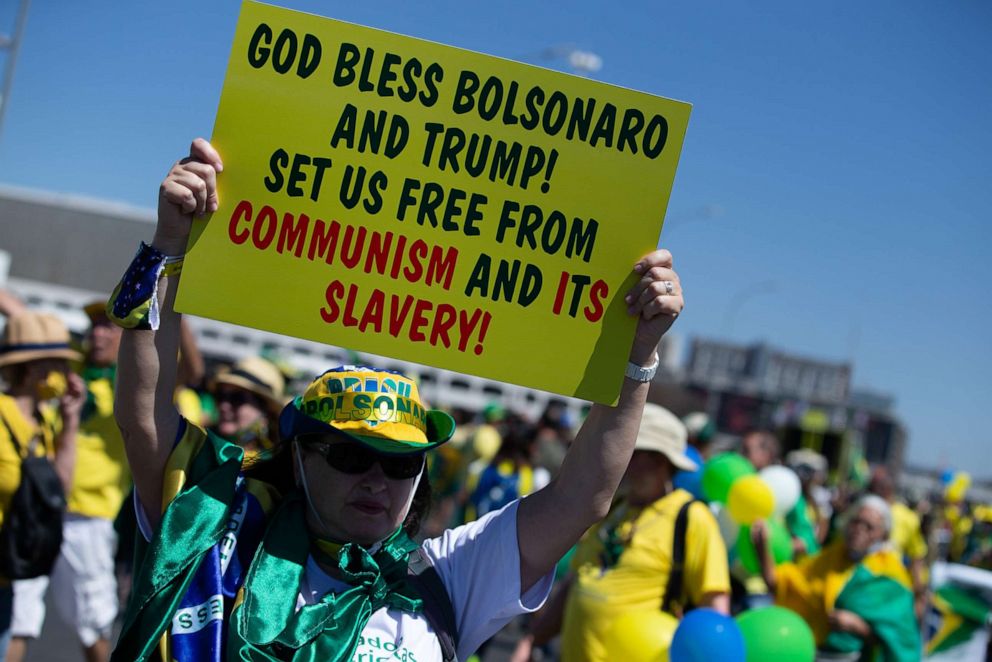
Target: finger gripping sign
420,201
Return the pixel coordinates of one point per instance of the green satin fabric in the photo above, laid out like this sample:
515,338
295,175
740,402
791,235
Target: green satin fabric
268,627
194,522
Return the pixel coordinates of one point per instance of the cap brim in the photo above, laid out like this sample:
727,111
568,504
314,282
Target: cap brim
681,461
440,428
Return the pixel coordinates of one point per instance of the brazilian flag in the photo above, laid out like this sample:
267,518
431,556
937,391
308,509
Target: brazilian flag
956,615
887,604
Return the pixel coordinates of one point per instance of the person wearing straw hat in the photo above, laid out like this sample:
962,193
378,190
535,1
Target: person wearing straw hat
39,412
83,581
624,564
308,553
249,397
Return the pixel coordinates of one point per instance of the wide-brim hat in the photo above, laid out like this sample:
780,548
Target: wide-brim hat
378,408
30,336
661,431
255,375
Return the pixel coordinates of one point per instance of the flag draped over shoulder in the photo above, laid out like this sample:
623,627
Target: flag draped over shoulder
221,577
886,603
205,470
877,589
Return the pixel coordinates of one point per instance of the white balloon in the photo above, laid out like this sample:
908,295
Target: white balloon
728,527
785,486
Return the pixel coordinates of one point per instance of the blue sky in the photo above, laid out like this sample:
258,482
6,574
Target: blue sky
833,195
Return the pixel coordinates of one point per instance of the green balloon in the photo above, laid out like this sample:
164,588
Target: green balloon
776,633
720,472
778,538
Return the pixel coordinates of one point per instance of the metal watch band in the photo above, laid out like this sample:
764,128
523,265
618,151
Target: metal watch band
641,373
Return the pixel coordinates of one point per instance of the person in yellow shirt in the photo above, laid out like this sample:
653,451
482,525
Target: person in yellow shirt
855,594
34,366
83,579
624,563
906,536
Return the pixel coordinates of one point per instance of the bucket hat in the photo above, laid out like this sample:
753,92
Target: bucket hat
378,408
661,431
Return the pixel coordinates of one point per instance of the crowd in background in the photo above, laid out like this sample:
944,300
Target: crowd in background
57,403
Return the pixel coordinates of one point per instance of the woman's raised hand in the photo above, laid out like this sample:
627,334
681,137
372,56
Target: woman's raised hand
190,189
656,299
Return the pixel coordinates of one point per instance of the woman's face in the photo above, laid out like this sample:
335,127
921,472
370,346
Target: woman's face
363,508
864,529
46,377
237,410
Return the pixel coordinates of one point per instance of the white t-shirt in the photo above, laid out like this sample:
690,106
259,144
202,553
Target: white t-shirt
479,564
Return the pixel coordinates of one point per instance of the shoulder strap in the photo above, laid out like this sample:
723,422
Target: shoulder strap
673,591
32,442
13,436
437,605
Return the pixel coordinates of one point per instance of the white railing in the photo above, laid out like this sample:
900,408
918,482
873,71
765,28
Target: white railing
219,340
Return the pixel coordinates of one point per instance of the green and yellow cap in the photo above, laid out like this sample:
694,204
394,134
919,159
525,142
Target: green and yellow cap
379,408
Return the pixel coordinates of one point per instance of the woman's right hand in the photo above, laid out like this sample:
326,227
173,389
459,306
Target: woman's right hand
189,189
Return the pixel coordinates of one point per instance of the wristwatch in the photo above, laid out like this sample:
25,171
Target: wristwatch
642,373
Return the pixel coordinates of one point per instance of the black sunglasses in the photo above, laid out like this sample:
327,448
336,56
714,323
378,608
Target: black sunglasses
236,398
353,458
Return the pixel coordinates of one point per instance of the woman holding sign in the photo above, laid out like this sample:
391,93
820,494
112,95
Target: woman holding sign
306,554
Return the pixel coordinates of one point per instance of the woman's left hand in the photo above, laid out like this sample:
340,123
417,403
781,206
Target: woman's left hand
847,621
657,300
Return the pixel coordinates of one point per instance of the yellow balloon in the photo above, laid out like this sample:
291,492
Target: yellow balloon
955,493
641,636
750,499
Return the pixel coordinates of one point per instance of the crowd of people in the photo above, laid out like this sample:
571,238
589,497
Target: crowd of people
207,514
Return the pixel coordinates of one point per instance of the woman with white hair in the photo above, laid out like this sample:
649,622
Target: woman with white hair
856,594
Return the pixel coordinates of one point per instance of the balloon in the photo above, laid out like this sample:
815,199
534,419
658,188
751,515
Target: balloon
954,494
778,539
641,636
705,635
947,476
728,527
721,472
691,481
750,499
785,485
958,487
776,633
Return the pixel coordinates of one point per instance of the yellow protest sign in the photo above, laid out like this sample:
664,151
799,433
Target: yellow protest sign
420,201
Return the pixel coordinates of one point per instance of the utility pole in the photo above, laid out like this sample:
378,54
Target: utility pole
9,45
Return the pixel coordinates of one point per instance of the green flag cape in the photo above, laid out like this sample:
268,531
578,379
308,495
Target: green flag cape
887,606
